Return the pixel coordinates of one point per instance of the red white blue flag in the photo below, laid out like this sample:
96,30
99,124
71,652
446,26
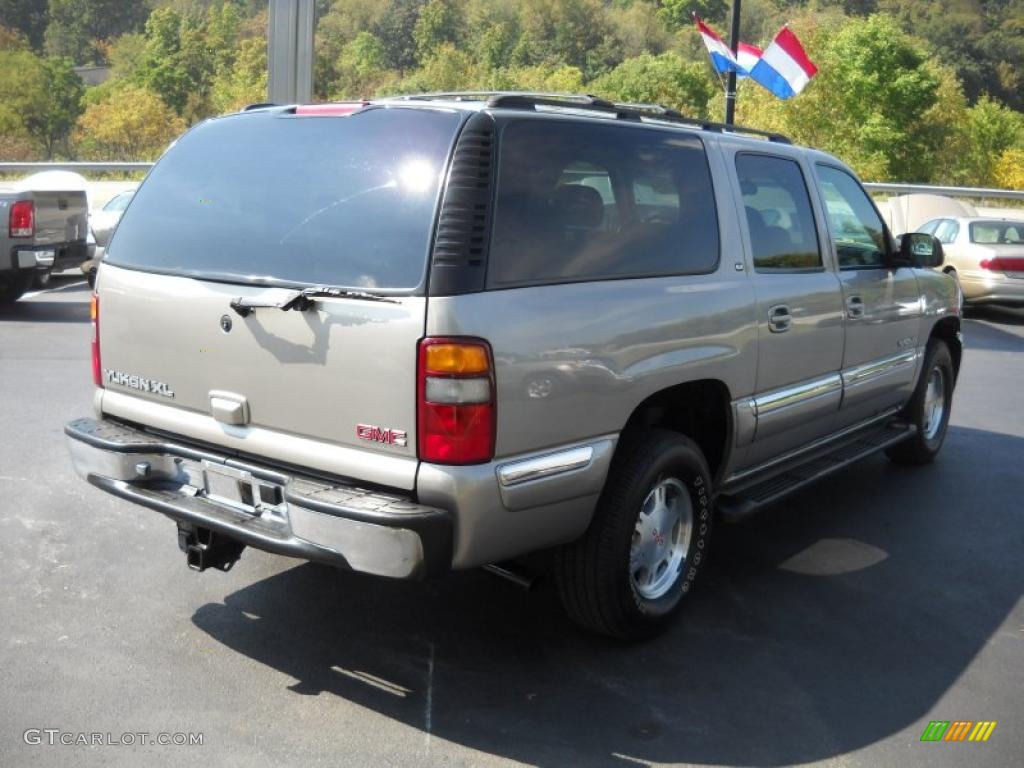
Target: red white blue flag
722,57
784,68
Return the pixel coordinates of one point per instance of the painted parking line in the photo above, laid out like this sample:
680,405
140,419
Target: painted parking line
33,294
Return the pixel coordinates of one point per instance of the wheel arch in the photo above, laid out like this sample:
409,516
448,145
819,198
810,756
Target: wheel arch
700,410
948,330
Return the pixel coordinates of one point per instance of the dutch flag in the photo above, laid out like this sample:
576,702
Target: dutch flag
784,68
721,55
747,55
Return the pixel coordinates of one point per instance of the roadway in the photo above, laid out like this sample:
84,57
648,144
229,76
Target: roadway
829,630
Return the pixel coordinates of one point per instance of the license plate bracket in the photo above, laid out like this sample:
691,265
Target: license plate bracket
241,490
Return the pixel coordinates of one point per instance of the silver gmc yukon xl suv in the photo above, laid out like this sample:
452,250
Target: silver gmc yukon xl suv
441,332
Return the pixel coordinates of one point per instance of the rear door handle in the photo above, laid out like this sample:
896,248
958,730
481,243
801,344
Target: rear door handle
779,318
855,307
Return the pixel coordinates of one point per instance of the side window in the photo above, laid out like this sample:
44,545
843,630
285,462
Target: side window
778,207
930,227
856,228
578,201
947,231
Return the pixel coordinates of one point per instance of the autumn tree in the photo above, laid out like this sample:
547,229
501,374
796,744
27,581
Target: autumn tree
132,124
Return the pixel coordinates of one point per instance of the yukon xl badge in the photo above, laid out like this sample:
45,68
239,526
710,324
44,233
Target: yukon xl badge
138,382
382,435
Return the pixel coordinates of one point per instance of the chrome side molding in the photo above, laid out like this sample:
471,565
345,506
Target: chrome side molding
545,466
799,393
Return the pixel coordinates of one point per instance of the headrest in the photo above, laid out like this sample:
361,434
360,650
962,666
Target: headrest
578,206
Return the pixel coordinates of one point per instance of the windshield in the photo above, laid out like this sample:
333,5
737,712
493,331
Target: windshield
345,201
997,232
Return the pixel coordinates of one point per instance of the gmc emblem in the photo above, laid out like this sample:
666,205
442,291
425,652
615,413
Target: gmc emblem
382,435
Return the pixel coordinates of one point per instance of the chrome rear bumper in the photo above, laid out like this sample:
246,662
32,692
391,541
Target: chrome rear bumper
276,511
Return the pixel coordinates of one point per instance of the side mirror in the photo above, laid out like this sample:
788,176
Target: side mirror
919,249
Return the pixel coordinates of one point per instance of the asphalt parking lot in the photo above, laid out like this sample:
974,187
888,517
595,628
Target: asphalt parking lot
830,630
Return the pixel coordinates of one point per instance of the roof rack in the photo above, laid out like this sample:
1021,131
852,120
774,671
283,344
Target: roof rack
488,95
620,110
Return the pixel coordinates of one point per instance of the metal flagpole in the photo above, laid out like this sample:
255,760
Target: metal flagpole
734,43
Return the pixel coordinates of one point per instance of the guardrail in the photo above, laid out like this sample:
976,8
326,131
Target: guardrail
871,186
73,165
974,192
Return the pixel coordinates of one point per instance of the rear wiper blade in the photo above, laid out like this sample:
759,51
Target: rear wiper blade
304,299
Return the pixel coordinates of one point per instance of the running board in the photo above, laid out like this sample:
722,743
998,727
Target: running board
741,500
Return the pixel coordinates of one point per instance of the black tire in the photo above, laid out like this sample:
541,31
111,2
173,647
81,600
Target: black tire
12,287
90,278
924,445
595,576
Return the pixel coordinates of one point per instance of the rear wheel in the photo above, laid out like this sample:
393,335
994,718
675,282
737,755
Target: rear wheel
13,286
628,574
928,409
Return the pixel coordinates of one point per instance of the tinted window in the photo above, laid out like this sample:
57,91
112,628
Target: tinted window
855,226
582,202
119,203
997,232
778,207
947,231
346,201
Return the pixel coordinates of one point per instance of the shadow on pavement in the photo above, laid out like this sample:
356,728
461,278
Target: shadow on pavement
39,311
996,314
826,624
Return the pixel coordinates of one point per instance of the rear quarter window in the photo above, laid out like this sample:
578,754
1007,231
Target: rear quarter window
580,202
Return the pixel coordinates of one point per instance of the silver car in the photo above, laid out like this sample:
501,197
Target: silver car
985,255
444,332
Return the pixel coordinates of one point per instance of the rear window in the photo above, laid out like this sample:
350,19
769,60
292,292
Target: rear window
589,202
997,232
343,201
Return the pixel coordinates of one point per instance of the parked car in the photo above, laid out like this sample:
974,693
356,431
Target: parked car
102,223
42,231
985,255
104,219
437,333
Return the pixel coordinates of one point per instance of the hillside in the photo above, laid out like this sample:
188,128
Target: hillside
909,90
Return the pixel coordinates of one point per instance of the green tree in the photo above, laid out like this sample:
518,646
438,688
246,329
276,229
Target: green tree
39,100
666,79
439,22
990,130
69,31
133,124
679,13
395,31
447,69
22,91
361,67
27,17
245,82
51,126
75,26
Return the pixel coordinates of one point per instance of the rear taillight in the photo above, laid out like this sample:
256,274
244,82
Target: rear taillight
23,219
1004,264
94,318
456,401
